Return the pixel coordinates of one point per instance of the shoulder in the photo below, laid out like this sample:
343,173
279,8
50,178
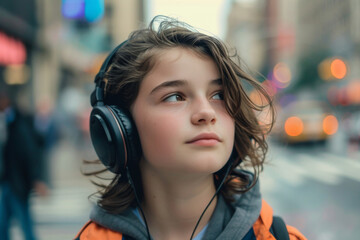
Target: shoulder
263,223
92,231
295,234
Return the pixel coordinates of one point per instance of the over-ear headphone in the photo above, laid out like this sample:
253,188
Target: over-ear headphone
113,132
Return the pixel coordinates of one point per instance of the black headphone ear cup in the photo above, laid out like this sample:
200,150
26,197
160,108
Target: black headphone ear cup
107,138
131,136
114,137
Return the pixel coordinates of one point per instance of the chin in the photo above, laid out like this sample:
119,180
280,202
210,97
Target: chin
209,165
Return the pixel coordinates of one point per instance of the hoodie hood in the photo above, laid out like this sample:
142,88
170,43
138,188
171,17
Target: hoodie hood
229,220
126,223
234,220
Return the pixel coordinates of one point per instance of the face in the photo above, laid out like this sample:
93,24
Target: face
180,115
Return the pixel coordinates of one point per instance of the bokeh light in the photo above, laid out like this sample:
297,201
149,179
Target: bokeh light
338,68
73,9
294,126
330,125
282,75
12,51
324,70
94,10
332,68
353,92
89,10
16,74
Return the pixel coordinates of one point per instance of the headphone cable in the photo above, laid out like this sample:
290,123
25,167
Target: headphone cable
216,193
202,214
138,201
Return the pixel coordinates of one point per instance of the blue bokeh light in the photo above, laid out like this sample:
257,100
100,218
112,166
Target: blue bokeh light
73,9
89,10
94,10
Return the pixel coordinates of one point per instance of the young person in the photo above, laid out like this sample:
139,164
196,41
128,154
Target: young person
172,120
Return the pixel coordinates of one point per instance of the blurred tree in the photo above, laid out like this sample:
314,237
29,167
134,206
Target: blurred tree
308,76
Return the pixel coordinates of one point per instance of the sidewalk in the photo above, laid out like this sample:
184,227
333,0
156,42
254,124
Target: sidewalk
61,215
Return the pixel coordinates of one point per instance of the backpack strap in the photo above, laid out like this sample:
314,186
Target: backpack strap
278,229
82,230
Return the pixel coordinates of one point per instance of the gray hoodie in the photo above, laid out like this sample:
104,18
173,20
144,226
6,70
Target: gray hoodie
229,221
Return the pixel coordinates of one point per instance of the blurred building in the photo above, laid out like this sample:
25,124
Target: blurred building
247,33
326,24
18,40
270,37
50,46
295,39
77,46
328,31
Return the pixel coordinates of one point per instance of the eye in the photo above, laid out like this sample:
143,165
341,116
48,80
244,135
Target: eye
174,98
218,96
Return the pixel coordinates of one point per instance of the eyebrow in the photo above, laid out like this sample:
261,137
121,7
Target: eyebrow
180,83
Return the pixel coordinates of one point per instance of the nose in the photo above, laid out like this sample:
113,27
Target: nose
203,113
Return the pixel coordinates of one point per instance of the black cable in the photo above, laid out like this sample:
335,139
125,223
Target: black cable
198,222
138,201
216,193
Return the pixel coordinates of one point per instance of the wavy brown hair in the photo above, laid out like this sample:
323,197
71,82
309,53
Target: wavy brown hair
136,58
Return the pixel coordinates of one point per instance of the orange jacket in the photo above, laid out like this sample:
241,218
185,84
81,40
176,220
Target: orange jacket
93,231
263,223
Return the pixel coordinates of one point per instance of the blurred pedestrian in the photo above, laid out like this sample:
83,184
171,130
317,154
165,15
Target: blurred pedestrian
20,169
47,133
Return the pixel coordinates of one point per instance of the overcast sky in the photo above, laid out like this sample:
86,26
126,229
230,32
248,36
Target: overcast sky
205,15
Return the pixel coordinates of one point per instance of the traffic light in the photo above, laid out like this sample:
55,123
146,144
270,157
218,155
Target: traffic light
88,10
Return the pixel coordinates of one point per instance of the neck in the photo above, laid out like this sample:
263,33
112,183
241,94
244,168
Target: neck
173,204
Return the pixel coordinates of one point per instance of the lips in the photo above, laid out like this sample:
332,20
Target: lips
205,137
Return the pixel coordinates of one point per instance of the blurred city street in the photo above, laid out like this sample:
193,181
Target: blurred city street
315,188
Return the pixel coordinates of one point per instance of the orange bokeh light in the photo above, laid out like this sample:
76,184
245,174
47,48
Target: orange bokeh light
324,69
294,126
338,68
330,125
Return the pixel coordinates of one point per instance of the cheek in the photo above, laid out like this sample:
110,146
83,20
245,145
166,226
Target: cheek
157,135
229,128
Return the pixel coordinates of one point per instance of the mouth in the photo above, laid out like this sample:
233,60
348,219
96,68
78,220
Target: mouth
205,139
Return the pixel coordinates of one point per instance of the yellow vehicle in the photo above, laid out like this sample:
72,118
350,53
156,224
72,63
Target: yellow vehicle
305,121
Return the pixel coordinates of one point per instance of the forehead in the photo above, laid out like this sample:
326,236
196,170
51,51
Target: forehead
182,62
158,55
